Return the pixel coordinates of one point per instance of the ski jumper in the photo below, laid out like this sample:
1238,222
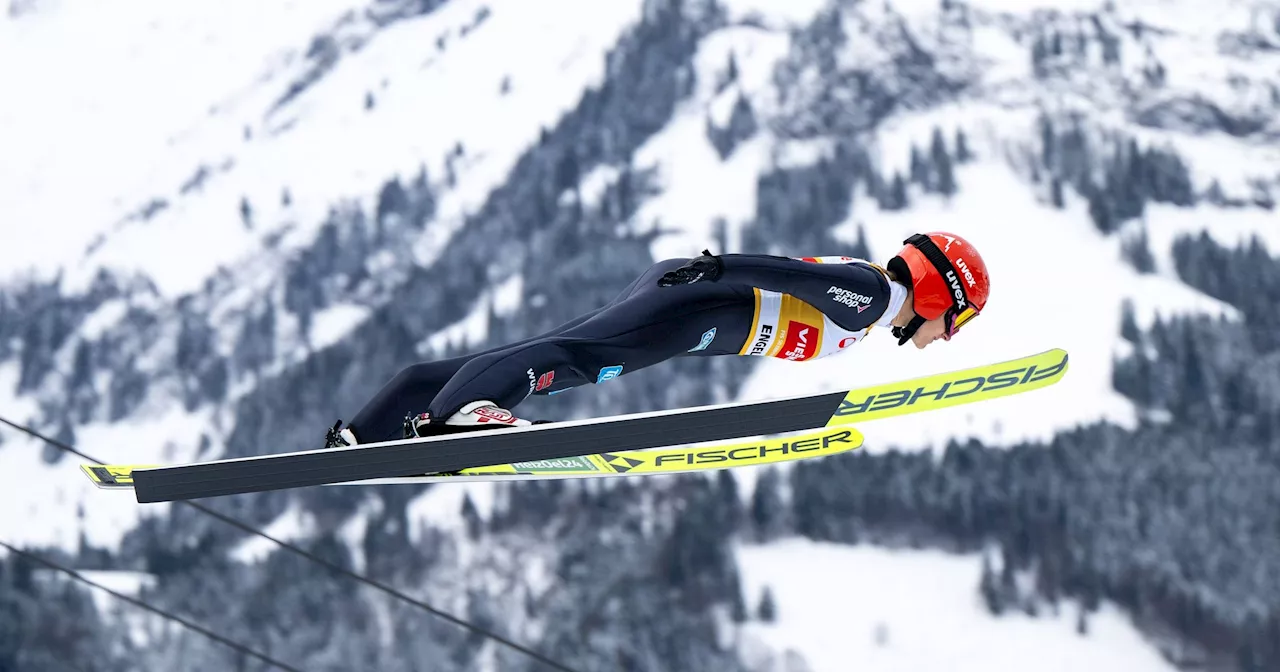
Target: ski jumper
762,305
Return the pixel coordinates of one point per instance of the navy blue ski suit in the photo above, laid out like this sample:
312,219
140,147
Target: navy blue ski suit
791,308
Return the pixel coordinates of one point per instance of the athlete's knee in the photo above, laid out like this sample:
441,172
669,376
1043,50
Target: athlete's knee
424,373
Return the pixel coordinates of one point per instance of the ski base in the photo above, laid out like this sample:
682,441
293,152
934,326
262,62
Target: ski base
677,460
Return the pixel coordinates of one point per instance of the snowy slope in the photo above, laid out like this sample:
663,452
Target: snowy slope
428,101
436,83
881,610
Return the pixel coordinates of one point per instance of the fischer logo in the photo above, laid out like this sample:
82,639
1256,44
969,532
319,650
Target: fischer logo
545,380
968,275
837,439
950,389
796,347
848,298
957,290
762,340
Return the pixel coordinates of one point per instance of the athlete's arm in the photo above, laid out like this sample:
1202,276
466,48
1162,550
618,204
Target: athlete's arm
852,295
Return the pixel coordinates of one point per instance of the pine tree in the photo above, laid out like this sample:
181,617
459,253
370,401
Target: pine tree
729,503
1100,211
1055,193
1137,250
1129,323
471,517
942,168
898,192
963,154
1048,144
246,213
767,611
738,608
860,249
766,504
919,171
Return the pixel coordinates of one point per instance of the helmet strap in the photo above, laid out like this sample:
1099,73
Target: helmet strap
904,334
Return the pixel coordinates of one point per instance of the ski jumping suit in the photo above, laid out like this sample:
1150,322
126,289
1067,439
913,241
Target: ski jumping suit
762,305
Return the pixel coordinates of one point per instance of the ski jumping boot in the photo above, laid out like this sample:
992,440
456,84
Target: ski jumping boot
476,415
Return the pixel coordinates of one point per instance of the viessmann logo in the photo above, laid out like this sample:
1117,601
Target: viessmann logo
800,339
951,389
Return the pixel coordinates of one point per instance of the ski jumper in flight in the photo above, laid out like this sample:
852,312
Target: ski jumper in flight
734,304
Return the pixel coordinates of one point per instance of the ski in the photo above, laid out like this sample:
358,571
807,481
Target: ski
677,460
640,431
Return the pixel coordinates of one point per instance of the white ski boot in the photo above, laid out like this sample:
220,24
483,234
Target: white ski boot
481,414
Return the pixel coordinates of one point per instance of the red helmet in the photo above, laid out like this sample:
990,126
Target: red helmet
947,277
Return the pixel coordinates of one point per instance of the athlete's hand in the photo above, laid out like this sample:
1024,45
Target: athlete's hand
706,268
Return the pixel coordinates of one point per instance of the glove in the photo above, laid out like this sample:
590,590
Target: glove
707,267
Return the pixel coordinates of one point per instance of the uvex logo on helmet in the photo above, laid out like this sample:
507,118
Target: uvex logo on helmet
957,291
964,268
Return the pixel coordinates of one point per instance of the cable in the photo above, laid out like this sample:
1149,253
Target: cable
155,610
322,562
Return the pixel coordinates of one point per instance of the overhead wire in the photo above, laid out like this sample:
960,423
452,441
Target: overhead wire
237,646
388,590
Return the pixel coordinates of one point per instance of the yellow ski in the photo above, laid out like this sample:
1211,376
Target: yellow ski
568,447
685,459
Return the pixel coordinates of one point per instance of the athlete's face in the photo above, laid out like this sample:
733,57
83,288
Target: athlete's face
929,332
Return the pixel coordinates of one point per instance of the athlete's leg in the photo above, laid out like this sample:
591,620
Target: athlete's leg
647,326
413,388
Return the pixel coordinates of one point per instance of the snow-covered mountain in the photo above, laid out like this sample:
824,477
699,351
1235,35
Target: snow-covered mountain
232,224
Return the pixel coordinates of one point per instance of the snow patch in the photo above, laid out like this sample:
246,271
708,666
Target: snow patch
333,323
464,334
441,506
123,582
293,524
593,185
352,532
508,296
105,317
919,610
